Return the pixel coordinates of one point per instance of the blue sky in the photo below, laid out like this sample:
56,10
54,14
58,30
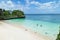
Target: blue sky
32,6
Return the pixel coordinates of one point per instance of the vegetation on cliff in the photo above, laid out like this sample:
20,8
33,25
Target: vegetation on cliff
7,14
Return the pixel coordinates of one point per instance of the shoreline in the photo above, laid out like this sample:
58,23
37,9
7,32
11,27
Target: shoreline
20,28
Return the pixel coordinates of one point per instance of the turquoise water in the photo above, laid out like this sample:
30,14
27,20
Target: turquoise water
47,25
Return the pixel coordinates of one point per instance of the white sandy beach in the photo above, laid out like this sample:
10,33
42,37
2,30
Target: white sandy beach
9,32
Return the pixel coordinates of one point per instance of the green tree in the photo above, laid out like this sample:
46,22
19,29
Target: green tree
58,36
6,14
1,12
18,13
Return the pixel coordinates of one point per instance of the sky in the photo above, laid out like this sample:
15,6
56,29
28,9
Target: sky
32,6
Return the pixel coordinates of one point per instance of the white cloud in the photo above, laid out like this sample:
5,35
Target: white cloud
9,5
27,5
43,5
40,7
35,3
51,6
27,2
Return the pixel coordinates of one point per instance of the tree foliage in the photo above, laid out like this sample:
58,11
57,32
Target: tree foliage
18,13
58,36
6,14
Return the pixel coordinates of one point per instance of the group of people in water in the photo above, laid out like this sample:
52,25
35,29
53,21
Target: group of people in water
41,26
37,26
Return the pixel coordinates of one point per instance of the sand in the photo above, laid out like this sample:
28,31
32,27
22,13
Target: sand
9,32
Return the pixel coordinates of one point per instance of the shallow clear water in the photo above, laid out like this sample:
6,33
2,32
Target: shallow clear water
47,25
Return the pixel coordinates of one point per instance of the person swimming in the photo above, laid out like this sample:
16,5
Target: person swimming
41,25
46,33
26,30
37,24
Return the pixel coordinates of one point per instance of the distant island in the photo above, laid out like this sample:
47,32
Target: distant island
7,14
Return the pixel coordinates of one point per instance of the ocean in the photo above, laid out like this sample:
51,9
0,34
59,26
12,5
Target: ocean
45,24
